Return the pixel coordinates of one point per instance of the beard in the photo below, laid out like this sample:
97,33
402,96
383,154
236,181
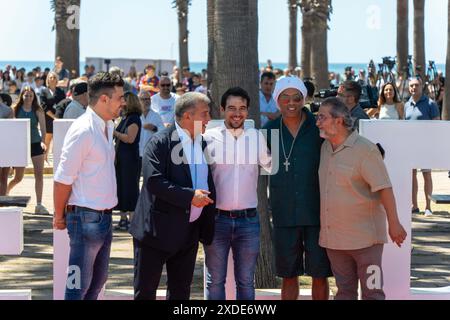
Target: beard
328,134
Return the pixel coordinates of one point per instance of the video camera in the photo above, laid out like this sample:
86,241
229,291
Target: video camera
326,93
321,95
389,62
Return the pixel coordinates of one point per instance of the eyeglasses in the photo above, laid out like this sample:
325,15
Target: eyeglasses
286,99
165,85
322,117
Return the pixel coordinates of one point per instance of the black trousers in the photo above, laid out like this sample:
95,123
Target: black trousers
148,265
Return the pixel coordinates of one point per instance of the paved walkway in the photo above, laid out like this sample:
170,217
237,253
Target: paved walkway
33,269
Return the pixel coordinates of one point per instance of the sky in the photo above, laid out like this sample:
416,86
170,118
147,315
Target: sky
359,30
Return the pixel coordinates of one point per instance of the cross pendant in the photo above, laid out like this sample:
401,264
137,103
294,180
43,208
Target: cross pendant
287,164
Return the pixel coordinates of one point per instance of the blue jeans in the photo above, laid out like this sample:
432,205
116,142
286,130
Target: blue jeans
90,236
242,236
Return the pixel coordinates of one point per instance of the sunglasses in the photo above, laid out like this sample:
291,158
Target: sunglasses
165,85
287,99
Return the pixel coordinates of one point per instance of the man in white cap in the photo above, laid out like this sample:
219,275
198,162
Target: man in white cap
295,194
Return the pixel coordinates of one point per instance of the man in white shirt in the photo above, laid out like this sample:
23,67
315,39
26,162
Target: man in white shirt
267,104
79,103
85,188
236,155
151,121
164,102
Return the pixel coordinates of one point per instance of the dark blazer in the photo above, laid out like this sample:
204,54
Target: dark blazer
161,218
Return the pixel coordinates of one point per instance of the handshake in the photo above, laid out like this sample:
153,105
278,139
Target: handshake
201,199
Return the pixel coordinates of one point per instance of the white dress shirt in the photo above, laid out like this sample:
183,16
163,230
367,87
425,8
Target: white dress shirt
154,119
198,166
87,163
235,166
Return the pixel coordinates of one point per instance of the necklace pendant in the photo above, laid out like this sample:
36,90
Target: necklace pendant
287,164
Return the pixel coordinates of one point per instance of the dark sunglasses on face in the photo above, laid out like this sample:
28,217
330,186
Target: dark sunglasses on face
287,99
165,85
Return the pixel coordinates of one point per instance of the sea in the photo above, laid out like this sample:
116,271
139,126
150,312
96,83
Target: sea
198,66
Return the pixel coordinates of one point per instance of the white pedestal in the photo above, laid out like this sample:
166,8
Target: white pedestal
11,231
15,294
409,145
60,263
60,238
15,142
15,146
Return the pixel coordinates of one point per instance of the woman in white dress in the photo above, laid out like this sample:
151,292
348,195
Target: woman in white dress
390,106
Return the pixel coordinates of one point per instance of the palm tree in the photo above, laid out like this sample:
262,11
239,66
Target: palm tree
306,39
236,64
320,14
67,32
402,36
419,37
212,82
293,10
446,107
183,33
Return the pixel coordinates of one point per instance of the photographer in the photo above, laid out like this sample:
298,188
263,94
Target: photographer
351,93
349,74
309,100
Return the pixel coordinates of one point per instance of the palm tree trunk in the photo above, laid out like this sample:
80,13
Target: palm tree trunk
183,33
402,36
293,10
67,44
419,37
236,64
319,48
446,106
212,80
306,46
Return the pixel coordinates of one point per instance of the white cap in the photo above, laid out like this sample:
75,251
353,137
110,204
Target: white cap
288,83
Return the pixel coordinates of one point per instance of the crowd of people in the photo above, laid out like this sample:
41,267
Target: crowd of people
330,193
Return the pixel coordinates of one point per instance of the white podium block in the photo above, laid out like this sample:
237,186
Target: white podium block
15,142
60,263
15,294
60,128
409,145
60,238
11,231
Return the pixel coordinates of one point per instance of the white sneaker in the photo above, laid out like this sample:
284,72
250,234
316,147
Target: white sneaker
40,209
428,213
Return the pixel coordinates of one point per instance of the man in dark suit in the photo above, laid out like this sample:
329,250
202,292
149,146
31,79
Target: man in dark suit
176,207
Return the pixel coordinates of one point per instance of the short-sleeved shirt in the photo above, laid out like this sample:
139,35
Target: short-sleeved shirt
74,110
294,195
351,214
424,109
153,82
357,113
165,107
266,106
